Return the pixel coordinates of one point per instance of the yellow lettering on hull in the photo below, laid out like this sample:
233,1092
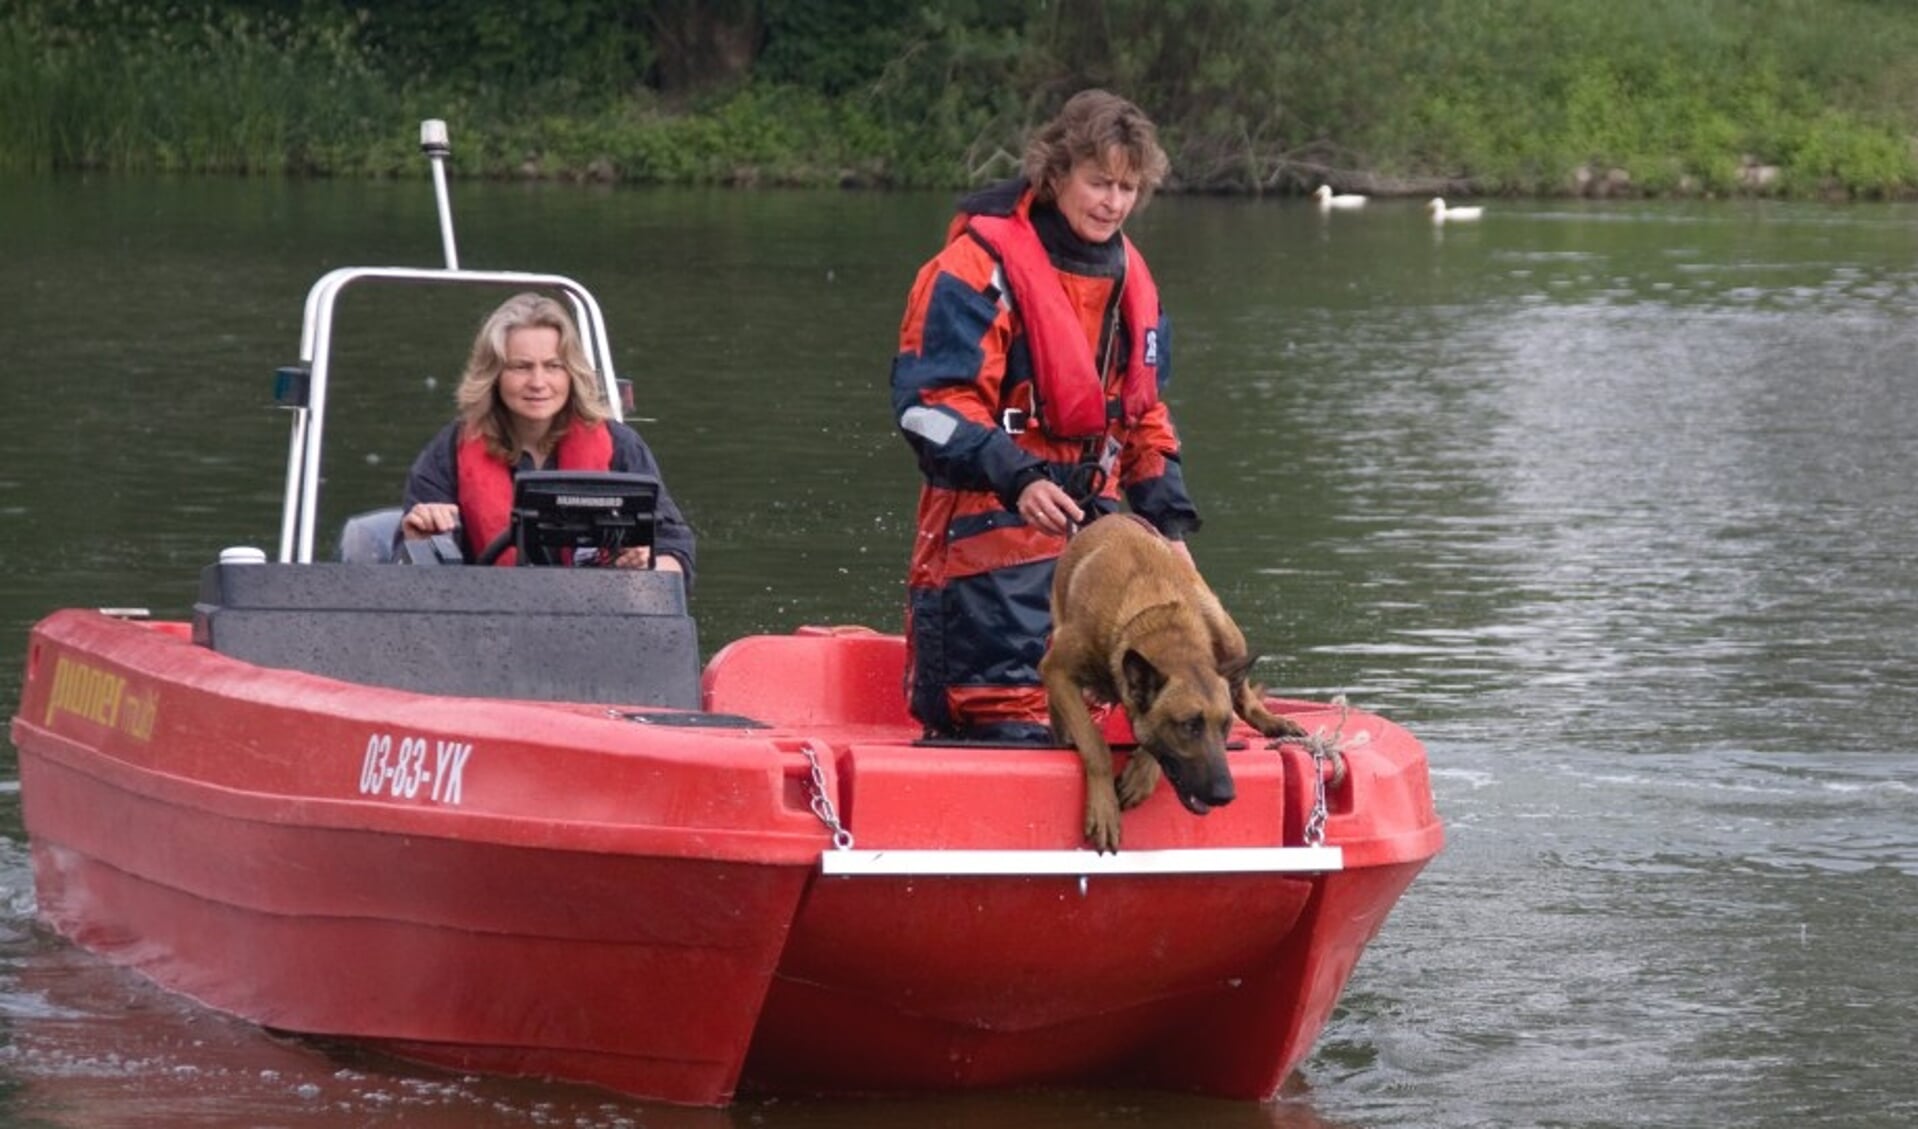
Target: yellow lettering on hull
85,691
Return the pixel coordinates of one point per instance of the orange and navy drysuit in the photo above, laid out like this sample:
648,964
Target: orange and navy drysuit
1024,352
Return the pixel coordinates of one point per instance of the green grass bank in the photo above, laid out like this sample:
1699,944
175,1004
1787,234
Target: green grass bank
1469,97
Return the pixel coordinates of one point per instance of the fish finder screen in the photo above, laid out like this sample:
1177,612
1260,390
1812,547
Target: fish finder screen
581,517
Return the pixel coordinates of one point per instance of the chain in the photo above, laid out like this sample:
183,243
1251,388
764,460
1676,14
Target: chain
1327,749
1315,822
822,803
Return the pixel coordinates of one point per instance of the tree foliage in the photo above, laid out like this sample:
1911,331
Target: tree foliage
1678,96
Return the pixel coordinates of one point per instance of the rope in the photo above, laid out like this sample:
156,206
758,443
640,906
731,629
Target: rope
1326,748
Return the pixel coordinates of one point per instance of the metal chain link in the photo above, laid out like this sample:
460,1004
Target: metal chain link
821,803
1315,822
1327,749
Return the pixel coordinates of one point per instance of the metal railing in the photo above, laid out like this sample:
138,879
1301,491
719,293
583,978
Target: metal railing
301,504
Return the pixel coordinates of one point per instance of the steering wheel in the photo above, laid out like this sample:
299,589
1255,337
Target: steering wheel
439,549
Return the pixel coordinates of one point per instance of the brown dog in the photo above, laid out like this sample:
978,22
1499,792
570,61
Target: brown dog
1133,623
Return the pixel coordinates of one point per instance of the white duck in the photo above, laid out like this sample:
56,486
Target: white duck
1443,214
1329,199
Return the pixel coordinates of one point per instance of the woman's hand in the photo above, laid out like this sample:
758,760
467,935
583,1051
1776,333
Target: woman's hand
641,556
1049,509
428,518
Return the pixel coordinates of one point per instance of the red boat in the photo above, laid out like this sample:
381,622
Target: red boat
502,819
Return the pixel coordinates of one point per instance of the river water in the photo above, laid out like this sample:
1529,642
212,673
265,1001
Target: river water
1612,504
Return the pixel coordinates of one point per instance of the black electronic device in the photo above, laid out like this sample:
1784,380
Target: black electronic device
565,517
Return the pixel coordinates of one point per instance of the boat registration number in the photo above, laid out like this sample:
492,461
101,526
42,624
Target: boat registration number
404,767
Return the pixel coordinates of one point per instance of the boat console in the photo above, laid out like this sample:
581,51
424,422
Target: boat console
552,634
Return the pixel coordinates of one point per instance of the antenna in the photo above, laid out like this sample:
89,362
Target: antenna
434,144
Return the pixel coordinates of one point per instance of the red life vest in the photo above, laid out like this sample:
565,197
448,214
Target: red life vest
1072,398
486,482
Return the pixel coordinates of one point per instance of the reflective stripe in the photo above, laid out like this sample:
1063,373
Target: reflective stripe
1080,863
934,427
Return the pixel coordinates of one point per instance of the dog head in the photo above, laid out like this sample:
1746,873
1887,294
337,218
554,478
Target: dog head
1181,716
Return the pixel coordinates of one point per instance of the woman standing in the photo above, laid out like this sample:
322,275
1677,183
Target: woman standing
1031,359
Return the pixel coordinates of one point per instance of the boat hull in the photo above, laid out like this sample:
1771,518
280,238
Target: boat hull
590,894
1221,991
237,847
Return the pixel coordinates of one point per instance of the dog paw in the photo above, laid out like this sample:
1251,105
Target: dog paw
1136,783
1102,827
1278,728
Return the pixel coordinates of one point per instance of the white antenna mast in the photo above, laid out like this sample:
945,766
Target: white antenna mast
434,144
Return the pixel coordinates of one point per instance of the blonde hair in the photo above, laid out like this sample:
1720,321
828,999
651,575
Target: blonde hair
1090,126
480,407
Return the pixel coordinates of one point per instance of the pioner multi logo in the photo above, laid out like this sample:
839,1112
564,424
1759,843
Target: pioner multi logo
101,697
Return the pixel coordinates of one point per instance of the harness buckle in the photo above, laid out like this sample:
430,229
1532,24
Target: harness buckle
1014,421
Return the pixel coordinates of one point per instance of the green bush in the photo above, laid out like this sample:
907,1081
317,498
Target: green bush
1489,96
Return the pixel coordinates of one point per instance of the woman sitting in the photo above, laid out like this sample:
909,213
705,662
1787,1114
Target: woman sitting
529,400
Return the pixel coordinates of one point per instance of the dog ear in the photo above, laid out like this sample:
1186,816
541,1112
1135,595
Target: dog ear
1142,680
1237,672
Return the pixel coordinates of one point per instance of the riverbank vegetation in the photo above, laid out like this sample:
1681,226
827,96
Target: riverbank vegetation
1707,97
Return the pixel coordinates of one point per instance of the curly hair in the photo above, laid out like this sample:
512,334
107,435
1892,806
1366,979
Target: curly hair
1090,126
